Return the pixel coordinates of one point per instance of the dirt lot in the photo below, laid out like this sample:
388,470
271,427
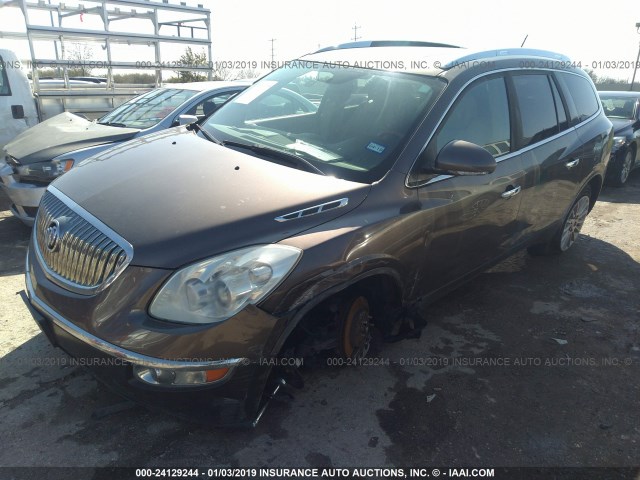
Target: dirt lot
562,335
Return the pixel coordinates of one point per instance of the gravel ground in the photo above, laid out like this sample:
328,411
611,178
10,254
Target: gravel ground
537,364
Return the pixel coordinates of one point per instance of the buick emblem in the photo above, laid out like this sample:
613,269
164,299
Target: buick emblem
52,236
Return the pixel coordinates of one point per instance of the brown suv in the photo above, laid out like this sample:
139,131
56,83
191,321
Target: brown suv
181,266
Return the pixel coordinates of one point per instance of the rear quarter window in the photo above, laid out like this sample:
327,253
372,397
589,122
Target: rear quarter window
581,92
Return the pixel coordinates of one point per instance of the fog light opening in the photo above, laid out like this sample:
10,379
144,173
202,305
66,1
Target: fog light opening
163,376
178,378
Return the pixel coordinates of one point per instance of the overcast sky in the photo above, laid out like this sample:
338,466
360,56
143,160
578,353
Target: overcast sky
242,30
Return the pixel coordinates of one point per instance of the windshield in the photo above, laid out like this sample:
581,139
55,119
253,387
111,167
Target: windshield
348,122
146,110
619,107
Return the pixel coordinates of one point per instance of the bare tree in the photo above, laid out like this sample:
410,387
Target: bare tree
247,73
223,73
192,59
80,54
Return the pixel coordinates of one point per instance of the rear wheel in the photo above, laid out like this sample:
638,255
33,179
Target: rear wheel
568,233
621,170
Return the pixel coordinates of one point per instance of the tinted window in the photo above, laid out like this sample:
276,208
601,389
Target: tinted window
584,97
209,105
4,82
534,100
480,116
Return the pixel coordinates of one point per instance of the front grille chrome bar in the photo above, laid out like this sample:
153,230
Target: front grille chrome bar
76,250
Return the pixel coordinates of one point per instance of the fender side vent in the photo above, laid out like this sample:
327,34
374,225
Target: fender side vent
324,207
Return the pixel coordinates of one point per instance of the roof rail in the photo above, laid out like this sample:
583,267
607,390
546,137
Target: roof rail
385,43
530,52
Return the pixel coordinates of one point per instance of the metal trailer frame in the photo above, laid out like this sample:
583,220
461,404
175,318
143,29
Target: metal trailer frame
105,97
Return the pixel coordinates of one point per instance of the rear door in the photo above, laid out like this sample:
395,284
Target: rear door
584,104
548,139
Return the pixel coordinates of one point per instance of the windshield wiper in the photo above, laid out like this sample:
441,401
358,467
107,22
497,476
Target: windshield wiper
113,124
271,152
274,152
207,135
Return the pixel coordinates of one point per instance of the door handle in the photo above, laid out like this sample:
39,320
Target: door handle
512,193
572,164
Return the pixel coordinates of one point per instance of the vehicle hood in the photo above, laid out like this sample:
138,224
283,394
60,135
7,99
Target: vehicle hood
620,125
178,198
61,134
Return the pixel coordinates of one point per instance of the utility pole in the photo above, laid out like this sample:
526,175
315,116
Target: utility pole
635,67
273,56
355,32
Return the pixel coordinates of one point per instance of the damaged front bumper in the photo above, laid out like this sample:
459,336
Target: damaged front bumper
25,197
203,383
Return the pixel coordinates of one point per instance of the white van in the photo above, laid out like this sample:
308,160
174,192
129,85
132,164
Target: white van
23,104
17,105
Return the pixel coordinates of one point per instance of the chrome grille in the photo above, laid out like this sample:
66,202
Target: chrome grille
77,250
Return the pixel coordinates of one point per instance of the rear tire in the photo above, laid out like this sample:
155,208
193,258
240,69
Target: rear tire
568,233
622,169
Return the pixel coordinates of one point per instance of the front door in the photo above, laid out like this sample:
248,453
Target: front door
469,221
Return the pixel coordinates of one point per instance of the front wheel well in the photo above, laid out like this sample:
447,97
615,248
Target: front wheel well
320,323
384,295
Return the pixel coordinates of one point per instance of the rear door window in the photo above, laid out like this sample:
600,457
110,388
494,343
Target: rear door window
537,108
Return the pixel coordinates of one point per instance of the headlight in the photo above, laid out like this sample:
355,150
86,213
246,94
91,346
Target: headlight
618,142
216,289
45,170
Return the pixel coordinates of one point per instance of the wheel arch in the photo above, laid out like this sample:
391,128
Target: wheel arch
595,184
384,280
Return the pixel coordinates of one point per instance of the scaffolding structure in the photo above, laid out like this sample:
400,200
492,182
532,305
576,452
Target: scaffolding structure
188,25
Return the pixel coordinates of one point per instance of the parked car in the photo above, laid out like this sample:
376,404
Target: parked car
189,267
622,109
47,150
24,103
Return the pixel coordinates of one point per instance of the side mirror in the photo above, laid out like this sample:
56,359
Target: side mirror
464,158
186,120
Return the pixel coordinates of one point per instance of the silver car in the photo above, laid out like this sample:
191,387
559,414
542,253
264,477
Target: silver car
44,152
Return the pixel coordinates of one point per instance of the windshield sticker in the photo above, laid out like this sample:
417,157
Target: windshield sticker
376,147
313,150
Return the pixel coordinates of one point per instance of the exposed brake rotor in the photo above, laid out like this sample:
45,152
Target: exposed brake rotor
354,328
